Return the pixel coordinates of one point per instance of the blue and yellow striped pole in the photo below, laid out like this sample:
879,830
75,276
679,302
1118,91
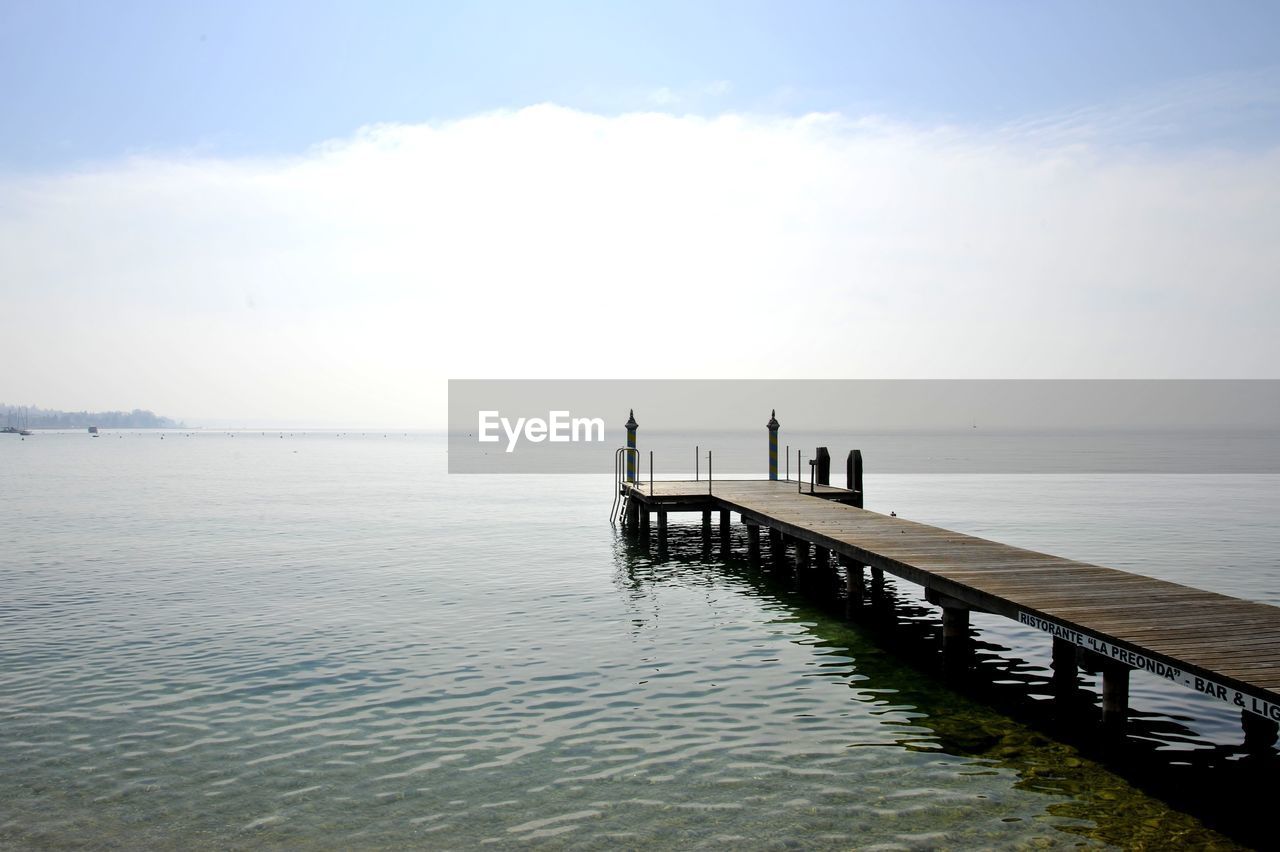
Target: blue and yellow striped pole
632,426
773,444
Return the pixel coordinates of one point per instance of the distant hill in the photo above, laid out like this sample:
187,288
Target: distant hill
30,417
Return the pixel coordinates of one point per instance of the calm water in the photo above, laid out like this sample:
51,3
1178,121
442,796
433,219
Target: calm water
323,640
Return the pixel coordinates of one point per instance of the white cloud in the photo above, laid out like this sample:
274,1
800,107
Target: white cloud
347,283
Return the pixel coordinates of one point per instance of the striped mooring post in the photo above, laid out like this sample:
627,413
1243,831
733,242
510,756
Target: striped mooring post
632,457
773,444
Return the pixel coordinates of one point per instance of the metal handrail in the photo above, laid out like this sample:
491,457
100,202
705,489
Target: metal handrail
618,468
619,475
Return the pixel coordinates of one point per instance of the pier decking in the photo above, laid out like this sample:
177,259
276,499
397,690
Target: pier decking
1111,620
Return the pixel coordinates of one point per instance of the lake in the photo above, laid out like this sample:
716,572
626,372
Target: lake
233,640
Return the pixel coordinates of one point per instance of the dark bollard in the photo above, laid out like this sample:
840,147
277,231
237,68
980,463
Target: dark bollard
853,476
772,426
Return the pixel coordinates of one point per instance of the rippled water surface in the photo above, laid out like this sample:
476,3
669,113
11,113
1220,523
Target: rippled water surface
321,640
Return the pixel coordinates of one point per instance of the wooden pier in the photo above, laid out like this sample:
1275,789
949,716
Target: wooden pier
1106,620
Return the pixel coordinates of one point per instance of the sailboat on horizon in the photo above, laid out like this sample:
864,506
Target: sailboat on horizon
20,429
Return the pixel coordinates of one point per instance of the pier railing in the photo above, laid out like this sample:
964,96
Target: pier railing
620,458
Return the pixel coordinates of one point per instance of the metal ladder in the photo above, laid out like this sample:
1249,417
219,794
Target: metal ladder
620,497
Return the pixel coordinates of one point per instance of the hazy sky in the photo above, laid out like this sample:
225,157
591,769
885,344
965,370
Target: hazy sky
319,212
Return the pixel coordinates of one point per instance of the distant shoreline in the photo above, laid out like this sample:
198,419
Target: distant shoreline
31,417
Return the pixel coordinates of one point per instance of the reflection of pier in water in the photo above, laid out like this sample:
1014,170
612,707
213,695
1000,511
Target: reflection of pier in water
893,639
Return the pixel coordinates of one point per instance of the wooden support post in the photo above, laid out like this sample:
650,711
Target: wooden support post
662,528
753,544
644,520
1260,733
724,527
1065,671
877,584
1089,662
777,548
706,524
1115,696
955,637
633,515
802,554
820,579
830,577
853,583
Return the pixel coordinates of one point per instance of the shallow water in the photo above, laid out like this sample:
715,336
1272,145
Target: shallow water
323,640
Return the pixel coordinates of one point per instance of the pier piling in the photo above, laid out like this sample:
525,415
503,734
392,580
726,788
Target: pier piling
955,629
777,548
1115,696
853,583
1066,672
955,637
877,584
753,545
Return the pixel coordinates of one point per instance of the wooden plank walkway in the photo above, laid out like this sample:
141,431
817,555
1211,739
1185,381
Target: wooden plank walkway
1223,647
